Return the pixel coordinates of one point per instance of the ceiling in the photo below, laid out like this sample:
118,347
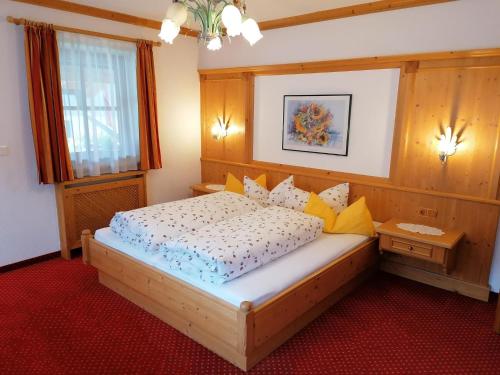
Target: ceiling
261,10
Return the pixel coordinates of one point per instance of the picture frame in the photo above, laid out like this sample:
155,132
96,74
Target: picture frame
317,123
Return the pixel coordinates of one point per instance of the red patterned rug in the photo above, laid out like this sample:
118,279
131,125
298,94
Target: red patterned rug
55,318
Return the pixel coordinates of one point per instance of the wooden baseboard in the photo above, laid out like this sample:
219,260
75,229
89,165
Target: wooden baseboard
479,292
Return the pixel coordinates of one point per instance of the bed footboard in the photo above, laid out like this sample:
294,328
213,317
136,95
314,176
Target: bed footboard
243,335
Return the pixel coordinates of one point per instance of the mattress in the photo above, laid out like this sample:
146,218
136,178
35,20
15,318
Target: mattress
259,285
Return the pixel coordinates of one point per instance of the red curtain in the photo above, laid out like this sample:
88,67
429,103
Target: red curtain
148,112
45,100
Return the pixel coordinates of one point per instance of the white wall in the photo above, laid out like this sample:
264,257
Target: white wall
464,24
458,25
372,119
28,219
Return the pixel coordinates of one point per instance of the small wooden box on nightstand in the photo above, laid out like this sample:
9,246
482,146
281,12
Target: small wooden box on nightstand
439,249
206,188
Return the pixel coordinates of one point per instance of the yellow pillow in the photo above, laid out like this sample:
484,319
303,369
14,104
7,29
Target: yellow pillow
262,181
233,184
355,219
236,186
317,207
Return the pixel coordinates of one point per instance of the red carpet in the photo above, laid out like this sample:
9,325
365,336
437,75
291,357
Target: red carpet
55,318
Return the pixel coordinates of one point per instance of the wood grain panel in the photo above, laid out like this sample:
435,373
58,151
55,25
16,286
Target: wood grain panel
438,89
467,100
477,219
278,313
221,327
90,203
362,63
231,100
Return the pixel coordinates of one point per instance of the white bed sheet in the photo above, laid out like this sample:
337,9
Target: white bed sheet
262,284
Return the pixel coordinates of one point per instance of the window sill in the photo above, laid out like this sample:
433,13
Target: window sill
104,177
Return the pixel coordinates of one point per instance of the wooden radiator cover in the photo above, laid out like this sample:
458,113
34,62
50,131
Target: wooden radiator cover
90,203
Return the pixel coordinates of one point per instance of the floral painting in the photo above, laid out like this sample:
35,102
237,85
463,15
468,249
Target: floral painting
317,124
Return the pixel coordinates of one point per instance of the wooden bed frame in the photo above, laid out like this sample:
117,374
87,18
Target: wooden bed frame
243,335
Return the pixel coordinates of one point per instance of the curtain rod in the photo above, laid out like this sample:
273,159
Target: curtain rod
22,21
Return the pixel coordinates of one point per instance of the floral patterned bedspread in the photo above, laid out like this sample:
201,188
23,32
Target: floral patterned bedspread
225,250
148,227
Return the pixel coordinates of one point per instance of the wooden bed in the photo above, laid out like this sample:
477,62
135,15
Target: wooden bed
243,335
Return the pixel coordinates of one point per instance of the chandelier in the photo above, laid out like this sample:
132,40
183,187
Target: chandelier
217,18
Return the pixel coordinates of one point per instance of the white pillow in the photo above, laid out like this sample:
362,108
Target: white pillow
278,194
336,197
296,199
256,192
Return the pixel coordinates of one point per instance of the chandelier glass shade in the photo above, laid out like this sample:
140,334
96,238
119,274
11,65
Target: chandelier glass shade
217,19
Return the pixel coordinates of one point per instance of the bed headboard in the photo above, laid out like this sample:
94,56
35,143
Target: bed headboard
435,89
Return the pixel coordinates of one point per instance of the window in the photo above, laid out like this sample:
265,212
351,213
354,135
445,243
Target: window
99,87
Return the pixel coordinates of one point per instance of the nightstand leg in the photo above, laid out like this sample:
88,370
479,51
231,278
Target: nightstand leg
450,261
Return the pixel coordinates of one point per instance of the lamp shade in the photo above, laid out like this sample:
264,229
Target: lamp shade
215,44
178,13
231,18
251,32
448,143
169,30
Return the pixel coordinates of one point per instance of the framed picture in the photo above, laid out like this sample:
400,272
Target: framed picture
317,123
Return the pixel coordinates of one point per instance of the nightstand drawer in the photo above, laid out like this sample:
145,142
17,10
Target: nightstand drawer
412,248
419,249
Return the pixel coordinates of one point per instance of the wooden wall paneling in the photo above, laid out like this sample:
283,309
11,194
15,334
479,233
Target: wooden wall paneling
362,63
401,123
435,89
330,177
230,98
494,186
249,115
477,219
466,99
477,62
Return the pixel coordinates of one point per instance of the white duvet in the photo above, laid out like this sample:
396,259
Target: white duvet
225,250
148,227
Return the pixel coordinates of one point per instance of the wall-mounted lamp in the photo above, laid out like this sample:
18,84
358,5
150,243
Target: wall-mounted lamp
221,129
447,145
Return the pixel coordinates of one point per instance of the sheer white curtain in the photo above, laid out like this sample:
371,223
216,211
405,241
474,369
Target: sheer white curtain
99,86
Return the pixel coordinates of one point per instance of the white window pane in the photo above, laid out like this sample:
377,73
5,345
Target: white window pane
100,103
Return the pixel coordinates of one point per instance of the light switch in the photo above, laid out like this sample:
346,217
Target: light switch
4,150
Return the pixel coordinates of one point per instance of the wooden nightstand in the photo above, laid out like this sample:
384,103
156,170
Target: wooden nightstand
436,249
206,188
